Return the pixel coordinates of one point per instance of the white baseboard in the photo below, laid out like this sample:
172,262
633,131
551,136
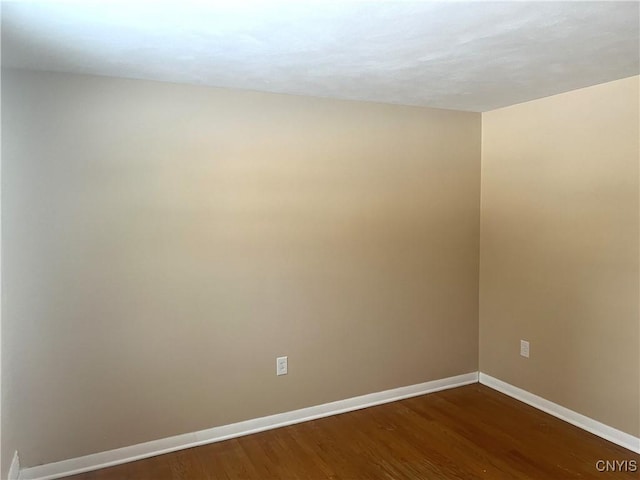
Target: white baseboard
14,468
590,425
179,442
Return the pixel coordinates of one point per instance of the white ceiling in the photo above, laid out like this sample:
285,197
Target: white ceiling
461,55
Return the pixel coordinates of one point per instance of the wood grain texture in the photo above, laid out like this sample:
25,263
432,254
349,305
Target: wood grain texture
471,432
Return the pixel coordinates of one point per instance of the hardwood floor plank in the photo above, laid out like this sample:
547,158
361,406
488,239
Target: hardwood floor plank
467,433
185,465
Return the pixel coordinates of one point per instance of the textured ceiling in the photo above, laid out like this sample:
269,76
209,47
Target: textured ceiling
461,55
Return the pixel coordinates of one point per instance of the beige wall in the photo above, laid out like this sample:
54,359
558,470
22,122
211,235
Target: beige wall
559,250
164,243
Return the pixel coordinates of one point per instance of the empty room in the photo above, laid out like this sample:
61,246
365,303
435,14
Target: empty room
347,240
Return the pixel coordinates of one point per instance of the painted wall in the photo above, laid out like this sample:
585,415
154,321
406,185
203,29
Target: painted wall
559,250
164,243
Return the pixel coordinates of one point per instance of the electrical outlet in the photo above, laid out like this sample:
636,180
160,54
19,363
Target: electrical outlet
524,348
282,365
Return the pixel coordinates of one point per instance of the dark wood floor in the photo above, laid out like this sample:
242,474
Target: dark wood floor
465,433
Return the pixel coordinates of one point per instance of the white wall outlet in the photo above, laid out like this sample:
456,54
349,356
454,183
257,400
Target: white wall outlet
524,348
282,365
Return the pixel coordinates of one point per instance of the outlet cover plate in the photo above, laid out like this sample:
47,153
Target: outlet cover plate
282,365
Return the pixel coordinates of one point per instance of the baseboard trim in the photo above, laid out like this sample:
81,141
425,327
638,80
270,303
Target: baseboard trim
14,468
590,425
118,456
